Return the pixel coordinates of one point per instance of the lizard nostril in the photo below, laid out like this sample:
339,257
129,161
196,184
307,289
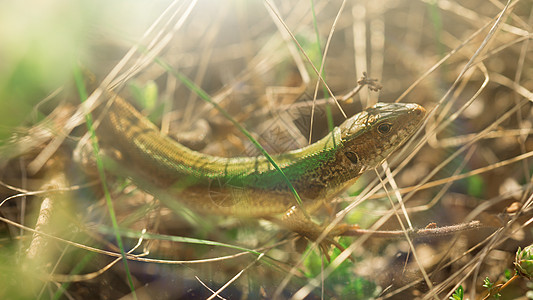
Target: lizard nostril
419,110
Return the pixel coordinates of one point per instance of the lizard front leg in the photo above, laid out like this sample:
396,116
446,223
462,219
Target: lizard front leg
295,220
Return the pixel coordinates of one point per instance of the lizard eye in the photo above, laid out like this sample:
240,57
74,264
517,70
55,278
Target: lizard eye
352,157
384,128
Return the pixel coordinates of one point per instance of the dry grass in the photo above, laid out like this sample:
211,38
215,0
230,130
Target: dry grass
469,64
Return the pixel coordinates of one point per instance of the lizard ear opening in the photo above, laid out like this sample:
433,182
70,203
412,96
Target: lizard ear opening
352,157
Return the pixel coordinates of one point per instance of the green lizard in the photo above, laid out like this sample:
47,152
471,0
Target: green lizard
250,186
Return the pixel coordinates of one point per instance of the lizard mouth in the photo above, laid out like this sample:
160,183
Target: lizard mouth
409,118
418,112
415,116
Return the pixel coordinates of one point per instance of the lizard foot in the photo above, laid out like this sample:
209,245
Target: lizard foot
297,222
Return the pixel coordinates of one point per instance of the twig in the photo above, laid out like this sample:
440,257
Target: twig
429,231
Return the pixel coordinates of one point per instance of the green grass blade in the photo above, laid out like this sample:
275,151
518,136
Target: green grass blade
204,96
101,171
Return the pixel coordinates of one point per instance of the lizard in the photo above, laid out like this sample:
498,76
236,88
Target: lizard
250,186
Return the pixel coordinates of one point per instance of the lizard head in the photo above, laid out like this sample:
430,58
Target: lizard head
372,135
